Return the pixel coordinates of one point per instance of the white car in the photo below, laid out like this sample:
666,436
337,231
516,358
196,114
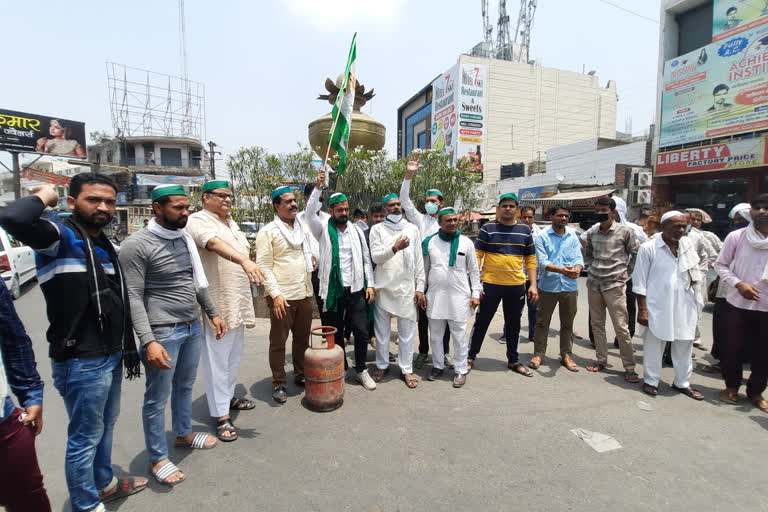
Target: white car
17,263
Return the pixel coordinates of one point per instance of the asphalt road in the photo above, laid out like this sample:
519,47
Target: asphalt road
502,442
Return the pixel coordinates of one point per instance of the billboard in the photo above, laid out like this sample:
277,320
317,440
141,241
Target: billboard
470,107
164,179
444,111
740,154
45,176
720,89
730,17
31,133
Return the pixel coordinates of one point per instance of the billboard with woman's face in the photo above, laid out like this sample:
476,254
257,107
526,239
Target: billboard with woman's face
31,133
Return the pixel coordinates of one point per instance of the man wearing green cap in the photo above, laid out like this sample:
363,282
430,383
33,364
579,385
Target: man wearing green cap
167,286
453,291
286,259
345,272
428,225
225,253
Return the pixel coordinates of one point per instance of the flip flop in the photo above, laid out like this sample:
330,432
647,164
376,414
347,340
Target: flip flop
197,443
597,366
165,471
410,380
125,487
519,368
689,392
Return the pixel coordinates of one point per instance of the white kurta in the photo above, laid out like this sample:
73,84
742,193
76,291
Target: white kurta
669,294
396,283
449,289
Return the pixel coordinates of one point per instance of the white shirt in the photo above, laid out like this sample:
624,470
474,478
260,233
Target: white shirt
425,223
449,288
669,294
397,281
314,245
345,257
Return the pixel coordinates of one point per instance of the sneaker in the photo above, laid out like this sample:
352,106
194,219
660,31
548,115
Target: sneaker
459,380
279,394
435,373
365,379
448,360
421,360
502,340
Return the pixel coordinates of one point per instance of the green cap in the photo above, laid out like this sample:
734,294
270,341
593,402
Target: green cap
212,185
338,197
167,190
508,195
434,192
448,210
388,197
280,191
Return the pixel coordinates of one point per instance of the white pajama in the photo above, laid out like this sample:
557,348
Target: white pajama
406,330
653,352
460,344
221,362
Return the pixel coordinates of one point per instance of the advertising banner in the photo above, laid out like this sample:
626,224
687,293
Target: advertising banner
45,177
31,133
733,16
740,154
720,89
444,97
159,179
471,111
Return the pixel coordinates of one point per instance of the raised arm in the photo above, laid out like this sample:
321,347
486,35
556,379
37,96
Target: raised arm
413,214
313,221
22,219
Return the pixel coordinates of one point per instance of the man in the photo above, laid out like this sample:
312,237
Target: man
558,255
720,98
284,255
377,215
225,253
166,287
743,265
732,19
610,253
698,218
21,482
453,292
665,279
346,275
146,222
314,248
712,245
399,277
360,219
427,225
528,217
504,247
90,327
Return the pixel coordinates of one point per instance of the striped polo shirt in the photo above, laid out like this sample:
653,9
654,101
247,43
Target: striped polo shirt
502,251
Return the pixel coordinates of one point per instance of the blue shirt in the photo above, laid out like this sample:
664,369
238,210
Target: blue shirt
560,251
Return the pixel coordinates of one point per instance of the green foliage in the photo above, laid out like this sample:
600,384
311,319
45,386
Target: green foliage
99,136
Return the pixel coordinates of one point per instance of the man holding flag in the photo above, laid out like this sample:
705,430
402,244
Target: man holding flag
341,114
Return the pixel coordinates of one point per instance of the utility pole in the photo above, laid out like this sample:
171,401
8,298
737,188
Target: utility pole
16,175
212,156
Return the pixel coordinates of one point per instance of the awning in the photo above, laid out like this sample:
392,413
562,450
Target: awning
576,198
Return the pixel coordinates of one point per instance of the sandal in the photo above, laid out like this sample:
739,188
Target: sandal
729,396
759,402
650,390
535,362
410,380
378,374
226,426
569,364
198,442
631,377
165,472
689,392
597,366
519,368
241,404
125,487
470,364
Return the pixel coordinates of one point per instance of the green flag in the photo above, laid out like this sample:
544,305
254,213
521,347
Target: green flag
342,109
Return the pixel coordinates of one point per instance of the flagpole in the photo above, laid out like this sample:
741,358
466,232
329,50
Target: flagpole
336,120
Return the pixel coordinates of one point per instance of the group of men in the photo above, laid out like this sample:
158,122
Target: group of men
422,271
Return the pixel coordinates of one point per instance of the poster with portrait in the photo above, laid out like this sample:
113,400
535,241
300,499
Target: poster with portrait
471,111
32,133
720,89
444,111
731,17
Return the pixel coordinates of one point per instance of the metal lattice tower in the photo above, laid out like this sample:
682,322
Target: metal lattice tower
185,125
503,41
525,27
487,27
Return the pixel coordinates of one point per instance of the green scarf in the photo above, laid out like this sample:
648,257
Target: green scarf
335,283
454,239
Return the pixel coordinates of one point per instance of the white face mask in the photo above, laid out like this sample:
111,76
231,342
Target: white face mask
395,217
431,208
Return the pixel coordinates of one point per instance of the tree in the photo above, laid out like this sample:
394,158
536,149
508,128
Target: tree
254,174
99,136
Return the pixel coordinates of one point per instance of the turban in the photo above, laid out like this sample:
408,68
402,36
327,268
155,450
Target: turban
280,191
211,185
167,190
338,197
742,209
705,218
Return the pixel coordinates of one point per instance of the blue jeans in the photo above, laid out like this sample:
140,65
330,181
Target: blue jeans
183,344
91,391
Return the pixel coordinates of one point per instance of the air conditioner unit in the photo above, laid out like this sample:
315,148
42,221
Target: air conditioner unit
641,197
644,179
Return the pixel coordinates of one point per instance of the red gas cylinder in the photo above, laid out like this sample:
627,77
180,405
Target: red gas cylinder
324,372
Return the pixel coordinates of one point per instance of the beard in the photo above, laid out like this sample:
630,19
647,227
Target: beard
341,220
179,223
94,220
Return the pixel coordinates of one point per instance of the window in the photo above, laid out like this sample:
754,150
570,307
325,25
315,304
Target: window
170,156
110,156
194,158
149,154
416,117
695,28
421,140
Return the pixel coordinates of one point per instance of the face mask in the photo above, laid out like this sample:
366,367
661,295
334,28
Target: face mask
603,217
361,224
431,208
395,217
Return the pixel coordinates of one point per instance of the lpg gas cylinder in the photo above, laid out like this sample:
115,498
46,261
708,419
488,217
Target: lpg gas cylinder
324,372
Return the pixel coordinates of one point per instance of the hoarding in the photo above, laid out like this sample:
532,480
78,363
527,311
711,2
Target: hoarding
32,133
730,17
444,96
45,176
160,179
741,154
720,89
471,110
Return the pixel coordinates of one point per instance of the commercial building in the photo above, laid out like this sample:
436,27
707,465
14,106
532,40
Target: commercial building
504,116
710,150
38,171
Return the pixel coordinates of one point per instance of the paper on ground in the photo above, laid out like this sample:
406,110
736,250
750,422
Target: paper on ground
645,406
597,441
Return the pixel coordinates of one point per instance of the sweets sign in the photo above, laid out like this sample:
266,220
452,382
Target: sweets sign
32,133
472,121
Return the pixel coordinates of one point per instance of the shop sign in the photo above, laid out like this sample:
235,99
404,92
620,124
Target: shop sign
741,154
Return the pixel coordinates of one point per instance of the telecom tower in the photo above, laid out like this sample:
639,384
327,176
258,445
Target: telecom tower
524,28
506,47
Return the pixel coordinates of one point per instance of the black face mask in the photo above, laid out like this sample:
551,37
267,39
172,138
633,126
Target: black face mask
603,217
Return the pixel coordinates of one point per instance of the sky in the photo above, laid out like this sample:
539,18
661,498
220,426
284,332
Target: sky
263,62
